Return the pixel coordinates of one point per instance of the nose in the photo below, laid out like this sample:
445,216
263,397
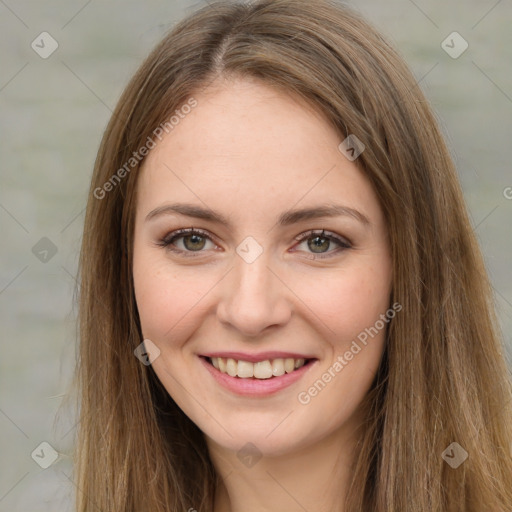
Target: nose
253,298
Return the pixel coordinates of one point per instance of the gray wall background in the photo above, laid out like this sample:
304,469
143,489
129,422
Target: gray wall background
53,113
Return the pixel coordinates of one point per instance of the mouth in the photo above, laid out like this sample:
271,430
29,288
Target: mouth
258,378
260,370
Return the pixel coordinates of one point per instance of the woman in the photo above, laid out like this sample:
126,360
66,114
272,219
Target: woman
283,305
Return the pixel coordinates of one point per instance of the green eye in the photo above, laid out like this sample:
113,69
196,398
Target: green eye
195,240
318,242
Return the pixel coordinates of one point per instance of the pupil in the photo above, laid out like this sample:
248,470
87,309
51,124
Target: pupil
195,239
318,245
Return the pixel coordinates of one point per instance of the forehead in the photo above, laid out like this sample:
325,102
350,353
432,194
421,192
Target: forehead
249,147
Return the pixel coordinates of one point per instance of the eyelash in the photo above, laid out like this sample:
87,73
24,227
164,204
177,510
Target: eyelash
168,240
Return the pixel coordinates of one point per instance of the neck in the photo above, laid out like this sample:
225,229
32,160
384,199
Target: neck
314,477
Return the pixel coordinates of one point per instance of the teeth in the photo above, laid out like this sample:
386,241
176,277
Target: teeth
277,367
245,369
263,370
260,370
231,367
289,365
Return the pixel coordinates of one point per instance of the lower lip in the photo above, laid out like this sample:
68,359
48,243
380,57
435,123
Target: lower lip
256,387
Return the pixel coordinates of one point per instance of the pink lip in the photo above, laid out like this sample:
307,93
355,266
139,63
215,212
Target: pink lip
255,387
255,358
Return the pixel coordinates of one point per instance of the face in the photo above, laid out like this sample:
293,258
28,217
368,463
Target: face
258,307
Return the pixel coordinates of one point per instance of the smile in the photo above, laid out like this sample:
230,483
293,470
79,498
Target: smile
260,378
259,370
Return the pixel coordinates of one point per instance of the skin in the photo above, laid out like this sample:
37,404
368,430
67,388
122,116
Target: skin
250,152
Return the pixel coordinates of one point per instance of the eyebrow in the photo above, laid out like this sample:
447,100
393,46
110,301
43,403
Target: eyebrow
287,218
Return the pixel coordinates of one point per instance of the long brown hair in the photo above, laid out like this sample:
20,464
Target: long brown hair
443,377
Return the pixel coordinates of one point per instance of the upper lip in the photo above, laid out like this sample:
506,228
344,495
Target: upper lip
260,356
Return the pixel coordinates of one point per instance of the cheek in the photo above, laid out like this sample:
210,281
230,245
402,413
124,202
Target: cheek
351,304
347,301
167,299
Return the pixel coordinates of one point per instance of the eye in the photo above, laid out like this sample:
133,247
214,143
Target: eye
319,241
192,241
